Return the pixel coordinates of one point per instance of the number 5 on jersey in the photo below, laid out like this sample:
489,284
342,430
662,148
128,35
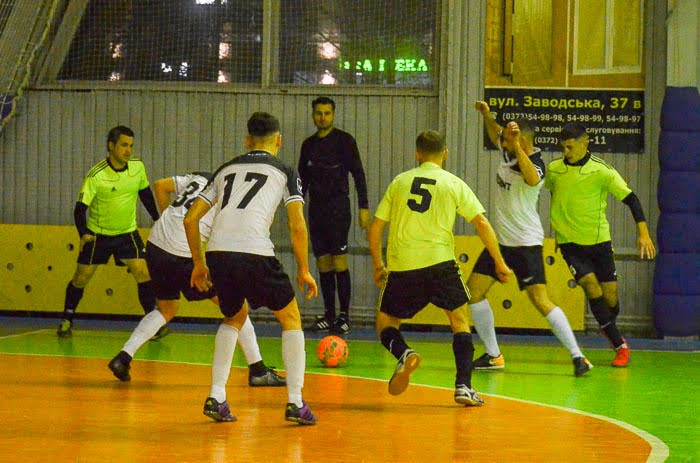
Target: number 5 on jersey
425,196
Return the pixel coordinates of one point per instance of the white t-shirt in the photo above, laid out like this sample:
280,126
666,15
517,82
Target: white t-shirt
245,193
517,221
168,233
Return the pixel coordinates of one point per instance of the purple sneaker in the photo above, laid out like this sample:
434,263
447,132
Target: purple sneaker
301,415
218,411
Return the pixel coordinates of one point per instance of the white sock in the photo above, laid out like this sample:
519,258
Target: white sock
249,343
482,316
562,330
224,346
294,357
147,327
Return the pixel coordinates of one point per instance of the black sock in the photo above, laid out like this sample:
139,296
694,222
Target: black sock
604,316
615,311
343,281
257,368
73,297
463,349
124,357
393,341
328,292
146,296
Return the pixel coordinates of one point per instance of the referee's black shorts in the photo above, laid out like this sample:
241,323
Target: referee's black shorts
407,293
329,225
259,279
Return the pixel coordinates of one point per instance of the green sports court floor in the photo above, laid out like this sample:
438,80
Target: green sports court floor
658,393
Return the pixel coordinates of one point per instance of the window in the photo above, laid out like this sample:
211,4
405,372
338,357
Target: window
168,40
359,42
608,36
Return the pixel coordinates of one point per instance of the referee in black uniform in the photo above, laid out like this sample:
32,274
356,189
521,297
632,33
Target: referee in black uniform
326,159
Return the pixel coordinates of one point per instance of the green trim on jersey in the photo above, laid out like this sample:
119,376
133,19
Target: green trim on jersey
421,206
111,196
580,199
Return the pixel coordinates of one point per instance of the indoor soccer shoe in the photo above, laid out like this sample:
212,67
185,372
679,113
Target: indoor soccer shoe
622,355
467,396
301,415
486,362
217,411
341,325
120,369
270,379
582,366
161,333
65,329
320,324
407,364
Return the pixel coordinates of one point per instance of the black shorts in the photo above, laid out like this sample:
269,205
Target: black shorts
259,279
171,274
125,246
526,262
329,225
595,258
407,293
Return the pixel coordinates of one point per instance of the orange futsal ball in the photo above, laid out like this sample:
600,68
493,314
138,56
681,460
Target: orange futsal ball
332,351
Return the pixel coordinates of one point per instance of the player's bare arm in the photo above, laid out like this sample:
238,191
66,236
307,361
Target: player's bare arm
300,245
492,127
488,237
376,231
512,134
364,218
162,189
645,245
200,271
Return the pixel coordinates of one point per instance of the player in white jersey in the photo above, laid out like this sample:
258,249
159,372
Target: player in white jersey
170,262
519,232
245,193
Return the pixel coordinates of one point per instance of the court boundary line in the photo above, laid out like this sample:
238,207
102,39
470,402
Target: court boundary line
17,335
659,449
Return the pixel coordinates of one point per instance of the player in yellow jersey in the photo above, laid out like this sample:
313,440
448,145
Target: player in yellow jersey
420,207
108,198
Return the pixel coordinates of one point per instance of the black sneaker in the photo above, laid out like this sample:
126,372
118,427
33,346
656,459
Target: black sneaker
161,333
486,362
341,325
218,411
582,366
320,324
65,329
302,415
270,379
120,369
408,362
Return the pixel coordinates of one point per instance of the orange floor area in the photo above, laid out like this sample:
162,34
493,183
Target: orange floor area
71,409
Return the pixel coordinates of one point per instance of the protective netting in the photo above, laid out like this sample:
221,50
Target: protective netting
370,42
24,27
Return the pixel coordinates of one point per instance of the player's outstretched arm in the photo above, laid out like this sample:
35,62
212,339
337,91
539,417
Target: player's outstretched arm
200,272
376,231
645,245
488,237
300,245
492,127
162,189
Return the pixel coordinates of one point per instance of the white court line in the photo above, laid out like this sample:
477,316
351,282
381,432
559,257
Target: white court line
24,334
659,449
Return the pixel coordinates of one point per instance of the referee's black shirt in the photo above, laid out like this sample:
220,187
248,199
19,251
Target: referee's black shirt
324,166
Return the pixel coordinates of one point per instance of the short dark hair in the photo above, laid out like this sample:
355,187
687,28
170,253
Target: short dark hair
572,130
526,127
430,141
262,124
323,100
118,131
